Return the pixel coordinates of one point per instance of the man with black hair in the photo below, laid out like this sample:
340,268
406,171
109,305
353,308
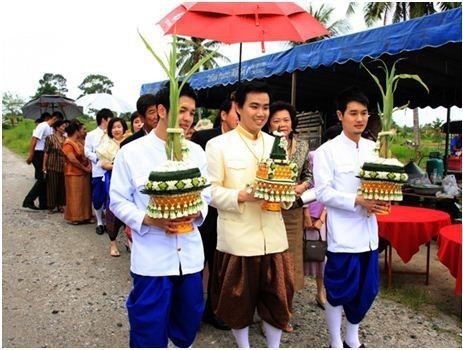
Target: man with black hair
228,121
146,108
39,135
92,140
253,267
167,300
351,275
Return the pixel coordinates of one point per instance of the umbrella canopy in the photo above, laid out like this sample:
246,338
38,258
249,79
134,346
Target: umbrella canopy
50,103
102,100
238,22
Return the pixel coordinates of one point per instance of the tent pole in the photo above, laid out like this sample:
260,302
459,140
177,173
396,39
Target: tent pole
447,136
239,64
293,89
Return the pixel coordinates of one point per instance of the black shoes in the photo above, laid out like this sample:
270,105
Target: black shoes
100,229
215,322
345,345
30,206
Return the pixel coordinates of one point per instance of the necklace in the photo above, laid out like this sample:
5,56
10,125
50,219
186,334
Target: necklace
250,149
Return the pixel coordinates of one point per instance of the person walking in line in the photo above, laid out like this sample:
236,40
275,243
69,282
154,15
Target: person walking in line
351,273
229,120
283,118
147,112
166,301
106,152
77,170
53,167
315,225
135,122
39,135
253,266
92,140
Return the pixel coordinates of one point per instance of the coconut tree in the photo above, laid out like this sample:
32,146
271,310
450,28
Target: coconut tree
192,50
324,15
395,12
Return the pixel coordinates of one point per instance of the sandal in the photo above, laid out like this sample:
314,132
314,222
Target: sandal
114,252
320,304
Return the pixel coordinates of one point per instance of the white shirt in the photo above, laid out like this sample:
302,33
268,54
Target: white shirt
154,253
41,132
92,140
336,166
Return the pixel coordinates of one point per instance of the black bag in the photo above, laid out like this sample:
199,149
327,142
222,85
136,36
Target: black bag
314,250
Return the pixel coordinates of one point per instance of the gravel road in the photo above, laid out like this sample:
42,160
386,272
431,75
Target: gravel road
62,289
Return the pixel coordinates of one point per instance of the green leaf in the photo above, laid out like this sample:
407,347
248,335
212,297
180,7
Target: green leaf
414,77
374,78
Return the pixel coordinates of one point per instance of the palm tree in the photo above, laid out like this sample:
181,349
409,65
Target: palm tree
323,14
402,11
192,50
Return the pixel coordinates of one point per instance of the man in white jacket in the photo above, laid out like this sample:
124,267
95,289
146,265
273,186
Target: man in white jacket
92,140
351,274
167,300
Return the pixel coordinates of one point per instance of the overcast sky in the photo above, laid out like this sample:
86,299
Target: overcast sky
76,38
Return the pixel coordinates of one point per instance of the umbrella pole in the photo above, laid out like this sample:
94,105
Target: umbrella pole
293,89
239,63
447,135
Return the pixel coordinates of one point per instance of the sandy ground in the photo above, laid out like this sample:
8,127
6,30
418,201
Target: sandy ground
62,289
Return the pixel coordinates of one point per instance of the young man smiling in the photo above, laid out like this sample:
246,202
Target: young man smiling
351,273
252,264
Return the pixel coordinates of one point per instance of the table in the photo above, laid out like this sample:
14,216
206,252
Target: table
449,252
406,229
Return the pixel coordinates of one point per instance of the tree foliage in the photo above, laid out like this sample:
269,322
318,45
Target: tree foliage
96,83
51,84
192,50
11,109
324,14
11,104
395,12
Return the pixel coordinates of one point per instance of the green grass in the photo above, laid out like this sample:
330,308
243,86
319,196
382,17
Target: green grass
412,296
18,138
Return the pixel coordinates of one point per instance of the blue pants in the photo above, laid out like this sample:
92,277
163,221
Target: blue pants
165,307
98,192
352,280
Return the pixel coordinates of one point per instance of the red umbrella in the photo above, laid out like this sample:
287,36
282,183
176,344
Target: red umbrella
238,22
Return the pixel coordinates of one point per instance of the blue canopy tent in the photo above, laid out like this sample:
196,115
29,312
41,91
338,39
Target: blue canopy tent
310,75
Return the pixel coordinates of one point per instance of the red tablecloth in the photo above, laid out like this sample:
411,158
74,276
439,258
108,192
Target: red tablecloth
449,252
406,228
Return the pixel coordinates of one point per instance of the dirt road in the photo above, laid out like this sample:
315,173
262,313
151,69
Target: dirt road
62,289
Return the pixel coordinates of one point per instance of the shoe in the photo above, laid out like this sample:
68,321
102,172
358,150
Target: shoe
30,206
320,304
345,345
216,322
99,229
